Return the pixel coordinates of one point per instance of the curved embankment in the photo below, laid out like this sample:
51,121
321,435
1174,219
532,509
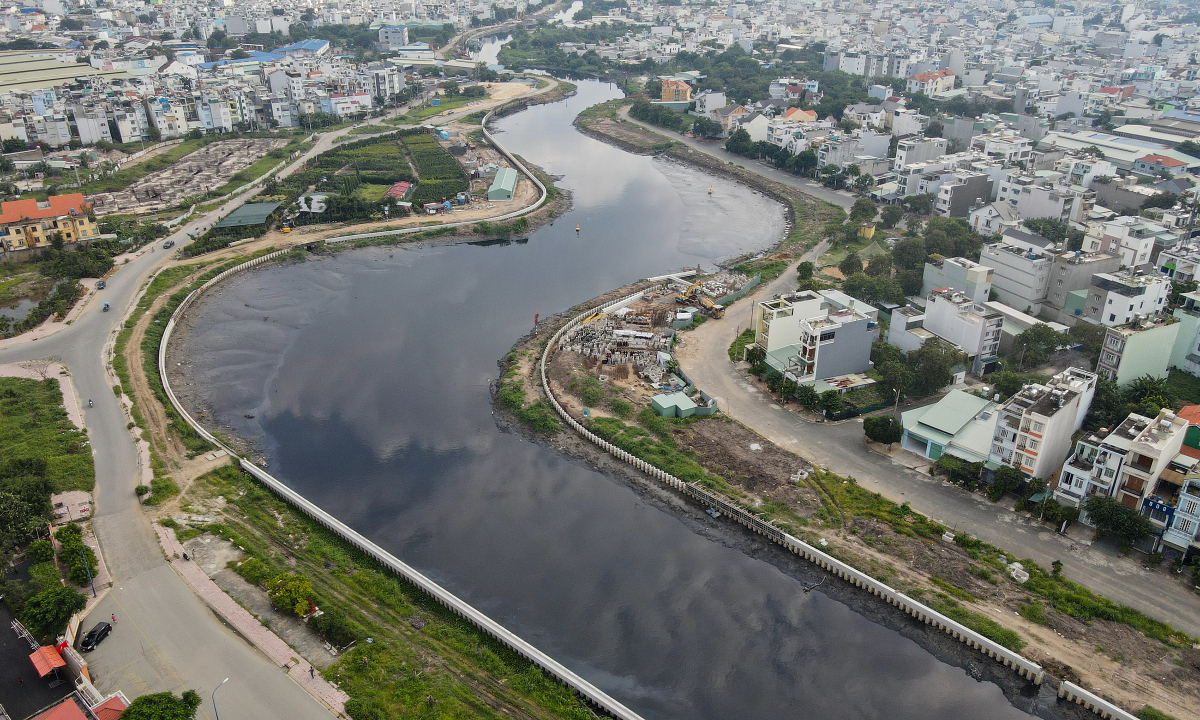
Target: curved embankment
585,689
1023,666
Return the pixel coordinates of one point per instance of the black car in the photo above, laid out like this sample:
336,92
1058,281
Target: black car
95,636
168,245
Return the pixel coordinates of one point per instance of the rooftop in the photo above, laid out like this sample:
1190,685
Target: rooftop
55,206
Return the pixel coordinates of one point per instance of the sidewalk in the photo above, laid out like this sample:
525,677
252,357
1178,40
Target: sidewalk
249,627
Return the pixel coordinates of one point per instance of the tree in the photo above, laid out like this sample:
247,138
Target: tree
1089,338
863,183
909,253
1165,200
47,613
883,429
863,210
920,204
739,143
450,88
1178,289
934,129
163,706
850,265
831,402
873,289
1111,517
291,593
807,396
1108,407
1005,480
805,270
14,145
932,366
1007,383
806,161
239,54
1189,147
894,376
880,266
1034,346
890,216
755,354
706,128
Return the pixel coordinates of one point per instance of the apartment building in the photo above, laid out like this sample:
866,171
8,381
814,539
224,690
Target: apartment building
1095,465
1035,196
27,224
1141,347
966,276
809,338
967,325
1004,144
1122,297
1071,278
1152,476
915,150
931,83
1133,238
1034,427
964,190
1180,262
907,329
1185,355
1021,275
1182,535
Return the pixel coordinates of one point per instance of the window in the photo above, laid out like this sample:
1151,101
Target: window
1033,445
1185,527
1108,472
827,336
1038,427
1112,316
1189,507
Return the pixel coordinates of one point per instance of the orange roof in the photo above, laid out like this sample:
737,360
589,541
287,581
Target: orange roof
925,77
675,83
1164,161
1191,413
46,659
110,709
66,710
31,209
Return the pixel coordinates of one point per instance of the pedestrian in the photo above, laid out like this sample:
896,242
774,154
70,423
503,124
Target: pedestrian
21,682
114,617
312,673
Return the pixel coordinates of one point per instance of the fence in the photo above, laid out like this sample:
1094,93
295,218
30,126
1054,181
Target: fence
1024,667
445,598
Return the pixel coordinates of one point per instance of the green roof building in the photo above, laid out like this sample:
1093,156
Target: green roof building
504,185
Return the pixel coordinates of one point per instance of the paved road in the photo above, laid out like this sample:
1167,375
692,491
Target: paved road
840,447
170,640
717,150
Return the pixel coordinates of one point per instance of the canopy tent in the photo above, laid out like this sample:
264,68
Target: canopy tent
46,660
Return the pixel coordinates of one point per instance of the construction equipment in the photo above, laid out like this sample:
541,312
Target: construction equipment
694,294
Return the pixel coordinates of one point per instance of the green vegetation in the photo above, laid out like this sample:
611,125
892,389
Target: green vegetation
985,626
265,163
440,174
46,614
80,560
1034,612
122,179
738,346
540,48
1149,712
163,706
538,415
1183,386
420,650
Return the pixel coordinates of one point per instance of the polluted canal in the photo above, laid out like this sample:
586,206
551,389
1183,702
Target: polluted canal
364,377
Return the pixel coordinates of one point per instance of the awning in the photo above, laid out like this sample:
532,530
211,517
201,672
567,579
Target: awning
1038,497
46,660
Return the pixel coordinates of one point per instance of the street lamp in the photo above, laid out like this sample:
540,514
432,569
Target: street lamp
213,697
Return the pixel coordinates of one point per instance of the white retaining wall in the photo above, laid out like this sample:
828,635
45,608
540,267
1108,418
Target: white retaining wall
561,673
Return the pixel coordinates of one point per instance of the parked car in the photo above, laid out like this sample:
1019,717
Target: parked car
101,285
95,636
168,245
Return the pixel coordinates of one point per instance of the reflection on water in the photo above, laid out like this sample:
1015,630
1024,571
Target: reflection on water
367,377
490,50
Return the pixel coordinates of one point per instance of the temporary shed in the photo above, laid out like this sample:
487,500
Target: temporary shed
46,660
504,185
676,404
249,214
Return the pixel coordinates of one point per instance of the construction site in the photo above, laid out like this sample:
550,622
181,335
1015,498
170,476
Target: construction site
621,357
194,175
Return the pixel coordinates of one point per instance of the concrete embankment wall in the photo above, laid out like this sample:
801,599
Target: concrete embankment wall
582,687
1024,667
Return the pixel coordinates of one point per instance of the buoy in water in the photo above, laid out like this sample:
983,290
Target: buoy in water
710,191
576,228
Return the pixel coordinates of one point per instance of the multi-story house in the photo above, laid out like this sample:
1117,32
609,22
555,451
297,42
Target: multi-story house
27,224
808,338
964,190
967,277
931,83
1182,536
1071,277
914,150
1095,465
1004,144
1141,347
1133,239
1021,276
967,325
1151,478
1121,297
1034,426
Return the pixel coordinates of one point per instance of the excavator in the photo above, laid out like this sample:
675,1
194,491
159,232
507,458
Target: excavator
693,294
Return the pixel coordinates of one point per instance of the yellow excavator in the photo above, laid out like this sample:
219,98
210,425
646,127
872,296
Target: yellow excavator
693,294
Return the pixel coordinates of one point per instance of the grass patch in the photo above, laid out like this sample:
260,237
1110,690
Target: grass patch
985,626
769,269
34,426
1183,387
420,650
952,589
738,346
1150,712
161,490
1034,612
538,416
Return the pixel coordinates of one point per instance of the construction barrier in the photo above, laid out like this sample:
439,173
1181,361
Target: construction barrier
582,687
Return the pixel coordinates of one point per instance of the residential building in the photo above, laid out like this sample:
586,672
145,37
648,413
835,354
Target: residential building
1133,238
708,101
1034,427
914,150
1182,536
1153,472
843,150
967,277
1004,144
1021,276
964,190
393,35
1095,465
959,425
27,224
808,338
931,83
676,91
994,218
1155,164
907,329
1180,262
967,325
1071,278
1122,297
1185,355
1137,348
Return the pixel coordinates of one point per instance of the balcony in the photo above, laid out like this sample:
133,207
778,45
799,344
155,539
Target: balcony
1133,484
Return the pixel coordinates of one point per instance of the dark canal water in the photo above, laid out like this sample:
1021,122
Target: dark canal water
368,372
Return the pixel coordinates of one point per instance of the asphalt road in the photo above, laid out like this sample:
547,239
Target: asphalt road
717,150
169,640
841,448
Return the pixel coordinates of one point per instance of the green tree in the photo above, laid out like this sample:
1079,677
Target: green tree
920,204
880,265
739,143
909,254
934,129
1111,517
850,264
1034,346
1007,383
932,366
1108,407
890,216
1165,200
1089,337
883,429
1178,289
806,162
863,210
47,613
291,593
706,128
755,354
163,706
805,270
1005,480
831,402
807,396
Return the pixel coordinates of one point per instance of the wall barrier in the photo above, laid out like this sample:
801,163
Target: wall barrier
1095,703
1024,667
506,216
580,686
